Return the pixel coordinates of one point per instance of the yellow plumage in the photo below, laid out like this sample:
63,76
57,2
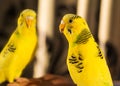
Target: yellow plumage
86,62
19,50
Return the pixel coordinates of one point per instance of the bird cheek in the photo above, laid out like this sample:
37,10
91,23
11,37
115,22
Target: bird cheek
69,30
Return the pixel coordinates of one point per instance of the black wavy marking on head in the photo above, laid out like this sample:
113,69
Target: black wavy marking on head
83,37
71,20
75,17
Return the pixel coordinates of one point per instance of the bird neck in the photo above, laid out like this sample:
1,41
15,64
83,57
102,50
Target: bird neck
82,43
25,30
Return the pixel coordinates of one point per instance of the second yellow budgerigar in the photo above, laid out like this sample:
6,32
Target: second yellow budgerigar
19,50
86,62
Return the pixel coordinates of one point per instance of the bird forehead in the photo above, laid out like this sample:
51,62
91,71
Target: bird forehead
29,17
28,14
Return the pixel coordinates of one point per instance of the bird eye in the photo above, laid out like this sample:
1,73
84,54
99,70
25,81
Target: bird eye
70,21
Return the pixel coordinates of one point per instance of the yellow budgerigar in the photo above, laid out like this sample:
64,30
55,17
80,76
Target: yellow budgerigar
19,50
86,63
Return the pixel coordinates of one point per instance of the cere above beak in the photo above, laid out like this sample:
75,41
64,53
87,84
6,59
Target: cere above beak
62,26
29,20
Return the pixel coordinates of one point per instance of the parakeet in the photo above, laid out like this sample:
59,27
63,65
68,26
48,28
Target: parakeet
86,62
20,48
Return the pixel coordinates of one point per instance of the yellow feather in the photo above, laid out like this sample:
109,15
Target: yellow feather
86,62
20,48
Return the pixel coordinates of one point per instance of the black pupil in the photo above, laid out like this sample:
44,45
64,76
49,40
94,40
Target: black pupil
70,21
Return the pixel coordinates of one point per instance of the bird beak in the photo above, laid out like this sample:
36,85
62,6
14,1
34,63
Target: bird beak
29,20
62,26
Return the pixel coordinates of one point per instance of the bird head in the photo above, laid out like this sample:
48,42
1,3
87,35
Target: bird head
71,26
27,18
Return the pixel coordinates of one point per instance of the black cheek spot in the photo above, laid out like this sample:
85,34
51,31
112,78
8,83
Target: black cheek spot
69,30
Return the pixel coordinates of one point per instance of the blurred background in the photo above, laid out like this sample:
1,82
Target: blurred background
102,16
